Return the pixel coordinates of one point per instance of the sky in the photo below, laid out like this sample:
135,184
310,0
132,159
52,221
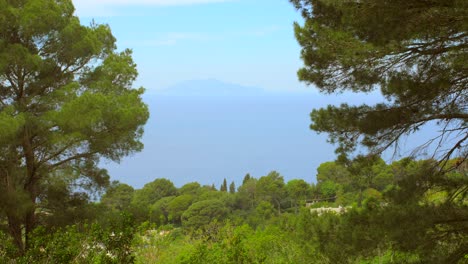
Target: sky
240,46
246,42
194,58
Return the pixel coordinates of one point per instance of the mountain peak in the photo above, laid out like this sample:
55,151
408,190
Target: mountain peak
211,87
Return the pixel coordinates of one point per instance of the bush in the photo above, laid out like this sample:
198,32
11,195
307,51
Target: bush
78,244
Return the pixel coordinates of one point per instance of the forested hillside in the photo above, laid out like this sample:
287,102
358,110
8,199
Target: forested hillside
364,212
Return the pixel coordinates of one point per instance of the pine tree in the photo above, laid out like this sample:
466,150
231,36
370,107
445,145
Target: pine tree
415,52
232,187
224,186
66,100
246,178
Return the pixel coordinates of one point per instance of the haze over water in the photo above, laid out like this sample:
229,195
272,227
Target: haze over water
206,137
208,130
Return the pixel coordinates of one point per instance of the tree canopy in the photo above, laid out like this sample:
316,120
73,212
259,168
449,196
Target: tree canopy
66,100
415,52
118,196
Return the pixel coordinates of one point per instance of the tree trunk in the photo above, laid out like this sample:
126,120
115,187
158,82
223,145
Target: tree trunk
30,214
279,207
30,186
14,228
13,208
30,224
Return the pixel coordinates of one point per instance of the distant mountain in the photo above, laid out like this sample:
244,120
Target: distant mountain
211,87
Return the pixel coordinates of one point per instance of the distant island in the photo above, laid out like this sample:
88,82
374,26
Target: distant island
214,88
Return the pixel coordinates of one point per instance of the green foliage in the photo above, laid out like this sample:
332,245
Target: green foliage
333,171
402,222
265,210
272,188
247,194
232,245
413,51
297,191
118,196
232,187
154,191
8,249
203,212
66,100
418,217
159,211
246,178
178,206
328,189
208,193
154,246
78,244
224,186
149,194
190,188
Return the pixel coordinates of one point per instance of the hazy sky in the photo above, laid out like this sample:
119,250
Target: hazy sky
233,43
247,42
238,43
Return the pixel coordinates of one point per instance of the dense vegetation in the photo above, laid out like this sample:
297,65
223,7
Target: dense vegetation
66,101
384,213
413,52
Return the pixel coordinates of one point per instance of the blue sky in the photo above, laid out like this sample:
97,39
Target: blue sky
237,44
246,42
234,44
